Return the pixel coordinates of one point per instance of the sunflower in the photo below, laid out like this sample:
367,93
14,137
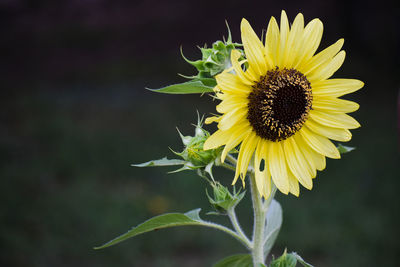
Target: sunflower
281,106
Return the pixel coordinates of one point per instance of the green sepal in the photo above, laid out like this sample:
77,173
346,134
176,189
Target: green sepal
205,80
191,87
186,167
344,149
160,162
159,222
168,162
301,261
239,260
289,260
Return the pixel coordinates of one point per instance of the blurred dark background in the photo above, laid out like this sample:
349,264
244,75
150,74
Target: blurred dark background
75,115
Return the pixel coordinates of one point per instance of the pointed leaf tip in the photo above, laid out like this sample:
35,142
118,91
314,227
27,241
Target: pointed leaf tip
344,149
160,162
190,87
158,222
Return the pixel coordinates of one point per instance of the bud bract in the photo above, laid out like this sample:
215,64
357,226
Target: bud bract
224,200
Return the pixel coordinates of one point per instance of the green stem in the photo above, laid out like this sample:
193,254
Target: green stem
239,237
228,166
231,159
232,216
259,224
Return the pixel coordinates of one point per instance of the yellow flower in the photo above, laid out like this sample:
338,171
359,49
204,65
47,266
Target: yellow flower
283,108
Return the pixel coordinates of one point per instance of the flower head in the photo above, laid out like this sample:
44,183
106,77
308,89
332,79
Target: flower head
283,107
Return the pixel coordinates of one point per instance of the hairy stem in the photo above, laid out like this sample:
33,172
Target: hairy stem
228,166
231,159
259,224
240,238
236,225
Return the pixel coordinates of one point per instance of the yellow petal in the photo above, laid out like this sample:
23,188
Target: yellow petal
217,139
296,163
293,184
262,180
332,104
319,143
259,173
307,155
335,120
309,43
272,41
277,166
267,188
231,103
230,83
246,152
222,96
210,120
267,182
284,33
292,46
322,57
232,118
219,94
253,48
237,136
235,55
337,134
319,161
328,69
336,87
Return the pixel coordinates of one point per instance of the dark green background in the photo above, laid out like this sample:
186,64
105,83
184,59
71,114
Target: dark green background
75,115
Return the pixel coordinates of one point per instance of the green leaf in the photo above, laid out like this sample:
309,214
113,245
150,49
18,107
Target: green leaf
239,260
273,225
191,87
211,82
207,81
158,222
160,162
186,166
344,149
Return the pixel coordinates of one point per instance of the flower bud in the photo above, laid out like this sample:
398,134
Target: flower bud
216,59
194,152
223,199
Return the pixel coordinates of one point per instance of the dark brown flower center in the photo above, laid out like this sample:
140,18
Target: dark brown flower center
279,104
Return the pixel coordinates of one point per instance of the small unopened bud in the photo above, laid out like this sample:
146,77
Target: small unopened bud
194,152
223,200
